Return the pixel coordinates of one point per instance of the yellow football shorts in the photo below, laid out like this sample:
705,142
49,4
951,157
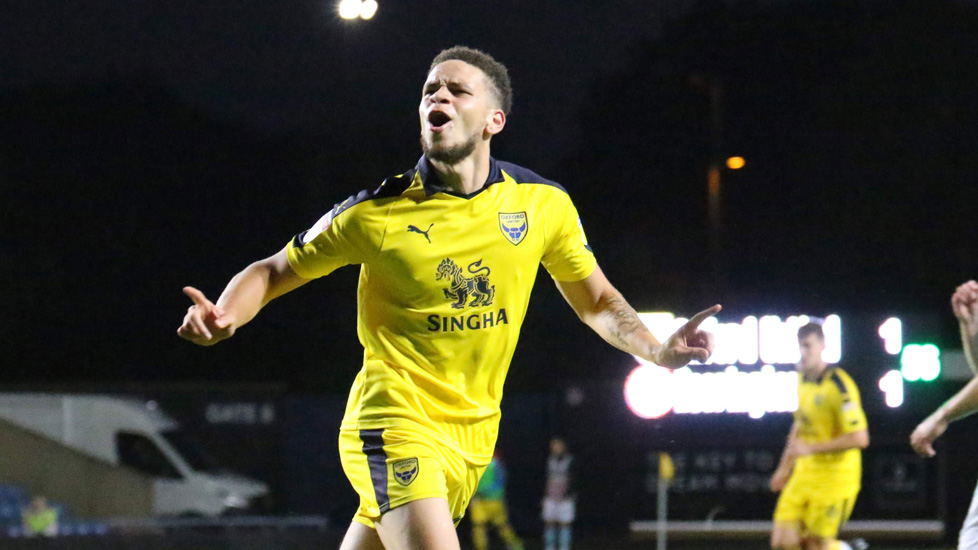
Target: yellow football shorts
817,513
390,467
488,511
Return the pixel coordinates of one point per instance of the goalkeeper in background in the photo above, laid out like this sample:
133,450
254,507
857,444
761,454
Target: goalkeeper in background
489,506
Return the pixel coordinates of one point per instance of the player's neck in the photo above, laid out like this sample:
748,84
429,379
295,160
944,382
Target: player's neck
817,372
466,176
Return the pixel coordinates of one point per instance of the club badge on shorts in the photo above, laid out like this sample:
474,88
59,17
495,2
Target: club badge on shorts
513,225
405,471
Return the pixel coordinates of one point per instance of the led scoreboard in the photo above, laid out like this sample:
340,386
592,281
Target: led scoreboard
752,368
723,422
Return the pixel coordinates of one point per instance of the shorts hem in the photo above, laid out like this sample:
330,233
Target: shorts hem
360,517
364,521
411,498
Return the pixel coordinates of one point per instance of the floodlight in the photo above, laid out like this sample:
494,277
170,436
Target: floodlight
350,9
368,8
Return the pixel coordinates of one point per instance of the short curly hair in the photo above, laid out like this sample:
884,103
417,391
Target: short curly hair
495,71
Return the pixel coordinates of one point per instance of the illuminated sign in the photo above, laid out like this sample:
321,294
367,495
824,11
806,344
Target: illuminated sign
892,387
652,391
920,362
891,331
768,339
750,383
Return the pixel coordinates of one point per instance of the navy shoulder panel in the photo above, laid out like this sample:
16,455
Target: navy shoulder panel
525,175
391,187
839,383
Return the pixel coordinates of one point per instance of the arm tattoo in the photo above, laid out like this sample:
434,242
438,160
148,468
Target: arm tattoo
622,321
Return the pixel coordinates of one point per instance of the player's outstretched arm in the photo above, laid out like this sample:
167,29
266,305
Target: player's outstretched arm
964,303
605,310
206,323
964,403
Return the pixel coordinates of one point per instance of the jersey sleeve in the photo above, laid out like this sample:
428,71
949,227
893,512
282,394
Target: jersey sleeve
567,256
852,418
339,238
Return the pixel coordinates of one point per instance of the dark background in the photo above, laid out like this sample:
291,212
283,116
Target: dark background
145,146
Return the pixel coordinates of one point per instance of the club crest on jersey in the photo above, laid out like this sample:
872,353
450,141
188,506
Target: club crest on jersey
513,225
405,471
463,288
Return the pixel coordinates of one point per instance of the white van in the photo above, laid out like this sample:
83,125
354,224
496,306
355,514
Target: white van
136,434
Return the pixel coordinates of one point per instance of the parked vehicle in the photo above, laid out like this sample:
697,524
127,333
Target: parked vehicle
138,435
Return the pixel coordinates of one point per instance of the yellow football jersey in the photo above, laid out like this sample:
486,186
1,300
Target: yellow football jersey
444,284
828,408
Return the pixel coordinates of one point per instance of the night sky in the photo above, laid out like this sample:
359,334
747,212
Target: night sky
146,146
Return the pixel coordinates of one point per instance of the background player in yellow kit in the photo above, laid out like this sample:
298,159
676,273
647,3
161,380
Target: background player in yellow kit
448,253
820,471
488,507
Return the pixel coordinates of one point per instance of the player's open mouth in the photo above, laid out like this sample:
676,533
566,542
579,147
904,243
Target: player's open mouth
438,120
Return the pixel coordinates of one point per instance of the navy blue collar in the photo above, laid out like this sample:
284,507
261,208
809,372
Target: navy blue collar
432,185
820,378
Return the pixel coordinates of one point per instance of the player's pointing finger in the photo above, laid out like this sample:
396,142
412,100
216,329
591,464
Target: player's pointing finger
694,323
197,296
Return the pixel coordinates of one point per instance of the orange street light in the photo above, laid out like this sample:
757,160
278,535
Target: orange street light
736,163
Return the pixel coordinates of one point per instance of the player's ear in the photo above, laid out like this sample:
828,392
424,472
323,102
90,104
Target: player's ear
495,121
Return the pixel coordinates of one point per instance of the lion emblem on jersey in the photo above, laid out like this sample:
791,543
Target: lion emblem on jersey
462,288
